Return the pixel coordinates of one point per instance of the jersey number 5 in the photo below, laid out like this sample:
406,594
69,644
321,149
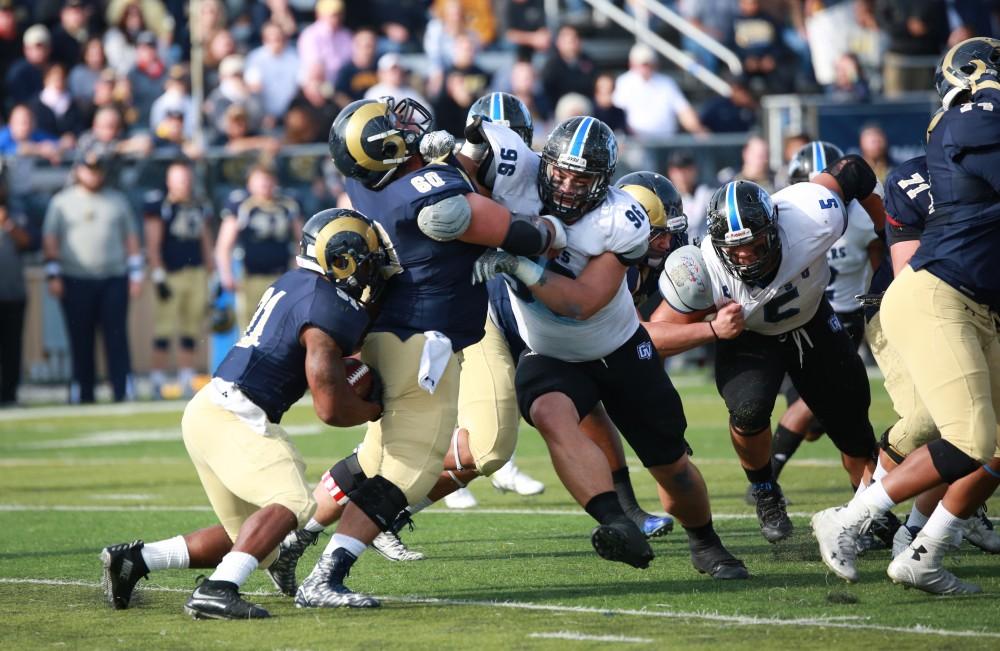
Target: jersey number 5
259,320
773,311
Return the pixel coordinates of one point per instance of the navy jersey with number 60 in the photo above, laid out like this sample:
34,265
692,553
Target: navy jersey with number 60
434,290
268,363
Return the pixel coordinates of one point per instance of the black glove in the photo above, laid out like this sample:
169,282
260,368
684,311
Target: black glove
163,291
474,132
378,388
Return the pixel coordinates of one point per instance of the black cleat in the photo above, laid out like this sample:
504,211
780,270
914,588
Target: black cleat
771,513
884,528
123,567
622,541
221,600
716,561
290,550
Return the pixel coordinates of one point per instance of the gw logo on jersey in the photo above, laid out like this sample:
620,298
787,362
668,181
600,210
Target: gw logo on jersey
645,350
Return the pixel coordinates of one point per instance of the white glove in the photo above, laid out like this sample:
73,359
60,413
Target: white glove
495,262
436,145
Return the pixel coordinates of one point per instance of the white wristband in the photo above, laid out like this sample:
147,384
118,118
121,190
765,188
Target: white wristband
53,269
527,271
473,152
159,275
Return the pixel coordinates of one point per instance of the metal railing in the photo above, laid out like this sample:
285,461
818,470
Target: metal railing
685,27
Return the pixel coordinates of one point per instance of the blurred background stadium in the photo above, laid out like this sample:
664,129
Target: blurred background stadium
701,90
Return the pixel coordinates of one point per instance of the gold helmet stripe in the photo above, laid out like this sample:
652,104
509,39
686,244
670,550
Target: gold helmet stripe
650,202
346,223
354,135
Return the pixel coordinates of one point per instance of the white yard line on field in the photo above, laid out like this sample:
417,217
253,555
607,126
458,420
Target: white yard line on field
738,620
126,436
583,637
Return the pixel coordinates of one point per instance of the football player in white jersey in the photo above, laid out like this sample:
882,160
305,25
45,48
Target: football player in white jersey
852,260
586,345
770,256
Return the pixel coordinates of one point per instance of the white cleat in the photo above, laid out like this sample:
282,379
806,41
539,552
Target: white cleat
838,538
392,547
460,499
980,532
510,479
919,566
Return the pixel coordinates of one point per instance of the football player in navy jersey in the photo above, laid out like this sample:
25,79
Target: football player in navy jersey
940,316
253,475
262,223
179,250
434,226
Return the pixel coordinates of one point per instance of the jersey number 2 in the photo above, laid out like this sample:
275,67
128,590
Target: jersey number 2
260,317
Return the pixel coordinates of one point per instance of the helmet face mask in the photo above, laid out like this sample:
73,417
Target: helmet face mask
370,139
743,225
506,110
343,245
811,159
967,67
578,160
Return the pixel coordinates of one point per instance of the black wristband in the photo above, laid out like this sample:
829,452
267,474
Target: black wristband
712,328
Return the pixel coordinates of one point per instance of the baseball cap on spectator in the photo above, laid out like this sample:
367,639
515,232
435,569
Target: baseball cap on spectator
146,38
231,65
37,35
389,60
96,156
329,7
681,158
640,54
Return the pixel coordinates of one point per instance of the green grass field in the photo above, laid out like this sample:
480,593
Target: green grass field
513,573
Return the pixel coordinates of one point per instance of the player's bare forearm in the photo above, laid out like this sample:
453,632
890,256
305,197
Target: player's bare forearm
334,400
876,210
675,338
581,297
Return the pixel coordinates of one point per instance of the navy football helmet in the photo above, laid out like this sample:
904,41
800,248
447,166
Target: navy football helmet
812,159
507,110
344,246
370,139
578,160
741,213
972,64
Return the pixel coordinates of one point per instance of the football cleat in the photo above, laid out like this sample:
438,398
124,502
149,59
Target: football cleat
980,532
771,514
919,566
123,567
389,545
324,587
653,526
510,479
748,497
622,541
290,550
837,535
904,536
221,600
881,535
716,561
460,499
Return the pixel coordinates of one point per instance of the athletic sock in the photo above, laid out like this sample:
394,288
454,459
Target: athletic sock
943,525
235,568
702,536
872,501
916,519
624,490
339,540
419,506
605,508
314,527
169,554
762,477
784,443
880,470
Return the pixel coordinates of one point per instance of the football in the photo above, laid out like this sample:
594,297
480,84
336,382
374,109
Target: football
359,376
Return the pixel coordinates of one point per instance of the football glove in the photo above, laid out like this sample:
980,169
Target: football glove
494,262
436,145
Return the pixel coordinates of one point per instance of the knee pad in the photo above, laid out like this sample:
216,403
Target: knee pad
344,477
161,343
750,418
886,447
381,501
950,462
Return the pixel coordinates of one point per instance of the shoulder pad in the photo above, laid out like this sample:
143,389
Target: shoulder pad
684,282
972,125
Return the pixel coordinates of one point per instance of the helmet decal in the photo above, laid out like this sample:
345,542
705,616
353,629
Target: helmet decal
737,231
574,157
819,156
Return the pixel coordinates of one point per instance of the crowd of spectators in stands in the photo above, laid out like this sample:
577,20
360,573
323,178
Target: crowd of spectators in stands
123,75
